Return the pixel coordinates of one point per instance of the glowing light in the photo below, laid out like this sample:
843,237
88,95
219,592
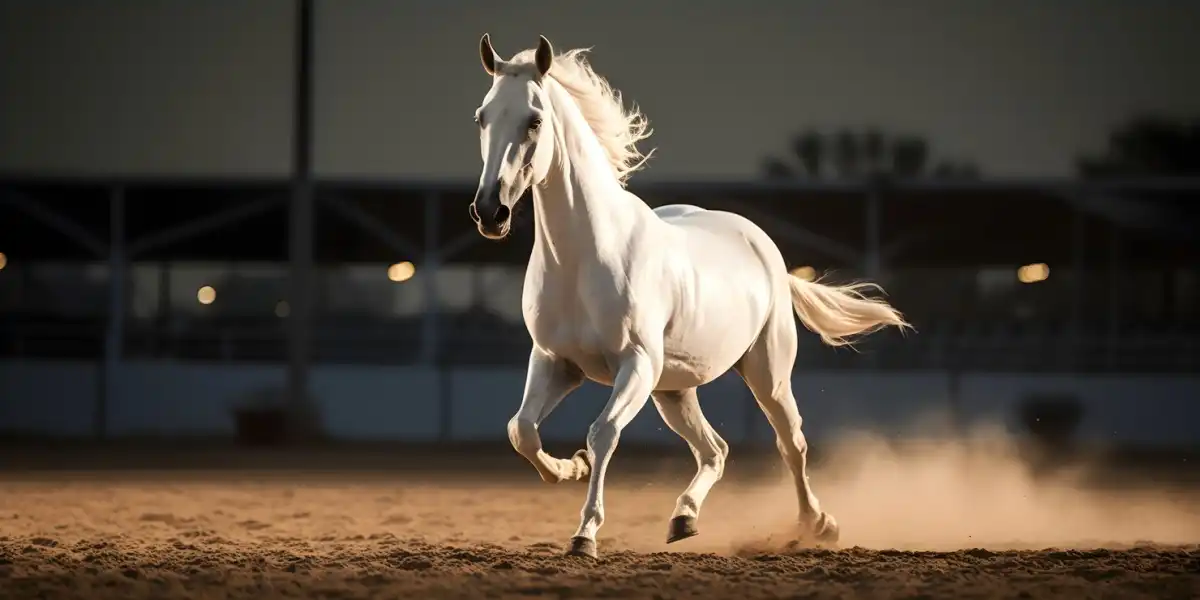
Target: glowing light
283,309
3,261
1033,273
401,271
806,273
206,295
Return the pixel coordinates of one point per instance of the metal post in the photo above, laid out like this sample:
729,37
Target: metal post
300,247
1079,285
1114,294
114,338
429,273
431,318
872,259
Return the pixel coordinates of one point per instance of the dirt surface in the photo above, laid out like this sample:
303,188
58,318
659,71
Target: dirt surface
963,520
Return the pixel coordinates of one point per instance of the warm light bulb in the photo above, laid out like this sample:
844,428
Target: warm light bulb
206,295
401,271
3,261
1033,273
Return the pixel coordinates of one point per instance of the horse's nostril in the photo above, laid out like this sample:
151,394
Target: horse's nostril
502,213
474,213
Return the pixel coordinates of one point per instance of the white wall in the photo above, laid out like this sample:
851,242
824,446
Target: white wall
402,403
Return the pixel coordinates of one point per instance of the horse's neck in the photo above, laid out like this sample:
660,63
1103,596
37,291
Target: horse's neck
582,212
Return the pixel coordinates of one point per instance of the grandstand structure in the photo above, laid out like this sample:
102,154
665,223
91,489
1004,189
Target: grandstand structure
199,270
134,303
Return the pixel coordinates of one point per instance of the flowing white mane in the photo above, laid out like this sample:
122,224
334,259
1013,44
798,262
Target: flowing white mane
619,130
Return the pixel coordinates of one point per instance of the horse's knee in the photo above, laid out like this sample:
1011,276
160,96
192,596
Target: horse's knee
715,463
712,457
601,434
522,433
794,446
723,449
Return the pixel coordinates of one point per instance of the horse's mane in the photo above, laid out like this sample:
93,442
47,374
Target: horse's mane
619,130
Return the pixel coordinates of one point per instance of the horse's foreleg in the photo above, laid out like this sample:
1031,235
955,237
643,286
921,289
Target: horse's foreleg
547,382
635,379
681,412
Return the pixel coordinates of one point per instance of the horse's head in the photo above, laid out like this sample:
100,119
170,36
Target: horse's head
515,135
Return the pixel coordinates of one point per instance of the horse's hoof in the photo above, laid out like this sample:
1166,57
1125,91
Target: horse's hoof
827,530
581,546
682,528
582,464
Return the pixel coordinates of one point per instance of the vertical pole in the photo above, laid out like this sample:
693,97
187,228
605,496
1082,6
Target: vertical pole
1114,294
873,257
162,316
431,318
429,274
114,338
300,242
1078,262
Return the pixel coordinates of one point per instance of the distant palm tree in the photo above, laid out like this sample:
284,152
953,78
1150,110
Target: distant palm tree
847,154
809,147
1147,145
910,155
868,152
874,150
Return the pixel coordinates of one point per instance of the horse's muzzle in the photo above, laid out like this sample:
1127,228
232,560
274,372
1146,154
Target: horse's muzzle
491,216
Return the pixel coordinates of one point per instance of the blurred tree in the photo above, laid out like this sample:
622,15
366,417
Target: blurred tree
910,155
774,168
865,153
809,147
956,170
874,150
1147,145
846,148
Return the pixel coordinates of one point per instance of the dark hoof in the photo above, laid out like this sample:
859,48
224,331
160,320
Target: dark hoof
682,528
581,546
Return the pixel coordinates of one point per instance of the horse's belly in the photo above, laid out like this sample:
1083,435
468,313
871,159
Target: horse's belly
696,355
594,365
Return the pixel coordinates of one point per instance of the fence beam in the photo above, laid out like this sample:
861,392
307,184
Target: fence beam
69,228
372,225
202,225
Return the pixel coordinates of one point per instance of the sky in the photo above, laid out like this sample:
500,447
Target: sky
1021,87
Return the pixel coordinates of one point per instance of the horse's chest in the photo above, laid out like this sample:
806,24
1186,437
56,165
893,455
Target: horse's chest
570,331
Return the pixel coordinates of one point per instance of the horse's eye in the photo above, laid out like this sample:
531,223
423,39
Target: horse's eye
535,123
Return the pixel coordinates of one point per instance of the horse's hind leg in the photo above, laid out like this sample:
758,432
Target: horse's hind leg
681,411
767,370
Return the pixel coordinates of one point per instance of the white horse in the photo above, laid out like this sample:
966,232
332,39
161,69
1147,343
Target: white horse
654,303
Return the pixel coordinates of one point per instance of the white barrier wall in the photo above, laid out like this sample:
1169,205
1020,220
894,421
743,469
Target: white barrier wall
403,403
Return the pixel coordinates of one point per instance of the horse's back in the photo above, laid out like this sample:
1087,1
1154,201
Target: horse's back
724,225
672,212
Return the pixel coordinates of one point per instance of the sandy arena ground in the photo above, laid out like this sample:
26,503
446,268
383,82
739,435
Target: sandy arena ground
962,520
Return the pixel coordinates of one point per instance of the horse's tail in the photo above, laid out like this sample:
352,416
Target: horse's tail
837,313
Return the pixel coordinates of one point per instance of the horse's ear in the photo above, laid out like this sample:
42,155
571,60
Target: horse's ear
487,55
544,56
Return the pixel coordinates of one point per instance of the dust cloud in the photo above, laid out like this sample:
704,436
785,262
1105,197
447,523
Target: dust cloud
975,491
